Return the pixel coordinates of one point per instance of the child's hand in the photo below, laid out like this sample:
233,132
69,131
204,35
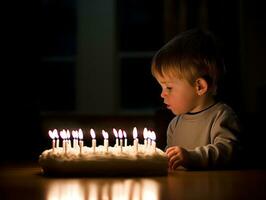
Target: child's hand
177,156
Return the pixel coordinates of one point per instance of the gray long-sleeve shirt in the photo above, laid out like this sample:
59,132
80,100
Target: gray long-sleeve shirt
210,136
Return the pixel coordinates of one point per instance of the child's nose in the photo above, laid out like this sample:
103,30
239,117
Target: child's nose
163,94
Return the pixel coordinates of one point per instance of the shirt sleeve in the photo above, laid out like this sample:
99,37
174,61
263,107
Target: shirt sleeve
224,144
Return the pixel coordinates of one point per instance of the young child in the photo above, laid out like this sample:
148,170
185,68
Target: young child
204,132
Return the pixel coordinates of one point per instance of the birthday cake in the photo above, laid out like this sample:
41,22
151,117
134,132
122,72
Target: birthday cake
99,161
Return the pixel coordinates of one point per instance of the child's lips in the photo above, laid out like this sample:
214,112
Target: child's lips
167,106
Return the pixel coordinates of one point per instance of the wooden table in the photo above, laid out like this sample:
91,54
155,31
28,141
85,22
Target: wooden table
26,182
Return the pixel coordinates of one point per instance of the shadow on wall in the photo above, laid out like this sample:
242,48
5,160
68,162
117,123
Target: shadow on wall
254,133
261,96
253,140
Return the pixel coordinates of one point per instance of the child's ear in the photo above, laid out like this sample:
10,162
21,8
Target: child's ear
201,86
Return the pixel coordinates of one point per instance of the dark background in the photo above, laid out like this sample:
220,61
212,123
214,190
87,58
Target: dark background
40,60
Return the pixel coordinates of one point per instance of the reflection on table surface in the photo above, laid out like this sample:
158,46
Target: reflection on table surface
27,182
94,190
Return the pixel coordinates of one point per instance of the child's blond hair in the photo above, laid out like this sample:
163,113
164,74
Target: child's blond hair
190,55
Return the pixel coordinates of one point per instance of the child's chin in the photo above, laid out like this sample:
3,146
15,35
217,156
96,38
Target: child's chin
176,112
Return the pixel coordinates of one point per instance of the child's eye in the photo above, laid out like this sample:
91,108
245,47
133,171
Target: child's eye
168,88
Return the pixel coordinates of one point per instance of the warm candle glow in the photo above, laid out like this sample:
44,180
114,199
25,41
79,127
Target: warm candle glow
149,138
120,135
125,136
116,136
92,132
68,138
57,137
153,144
105,136
52,136
128,189
93,142
65,190
136,141
115,132
68,134
80,133
153,135
135,133
150,189
145,135
63,135
75,136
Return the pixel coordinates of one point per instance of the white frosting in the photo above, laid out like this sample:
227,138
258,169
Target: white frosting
114,162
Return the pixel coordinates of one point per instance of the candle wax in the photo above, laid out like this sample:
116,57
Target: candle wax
80,146
93,145
136,141
53,144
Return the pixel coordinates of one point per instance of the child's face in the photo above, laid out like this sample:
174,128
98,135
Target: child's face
179,96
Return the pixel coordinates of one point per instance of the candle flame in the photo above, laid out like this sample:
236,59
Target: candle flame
55,132
120,133
115,132
153,135
75,134
135,133
80,133
51,134
92,132
105,134
68,133
63,134
125,134
145,133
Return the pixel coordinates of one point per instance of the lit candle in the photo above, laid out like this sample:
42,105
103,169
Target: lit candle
149,138
145,135
153,144
75,136
80,133
93,141
136,140
120,135
105,135
55,132
68,138
63,135
116,136
125,136
52,136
